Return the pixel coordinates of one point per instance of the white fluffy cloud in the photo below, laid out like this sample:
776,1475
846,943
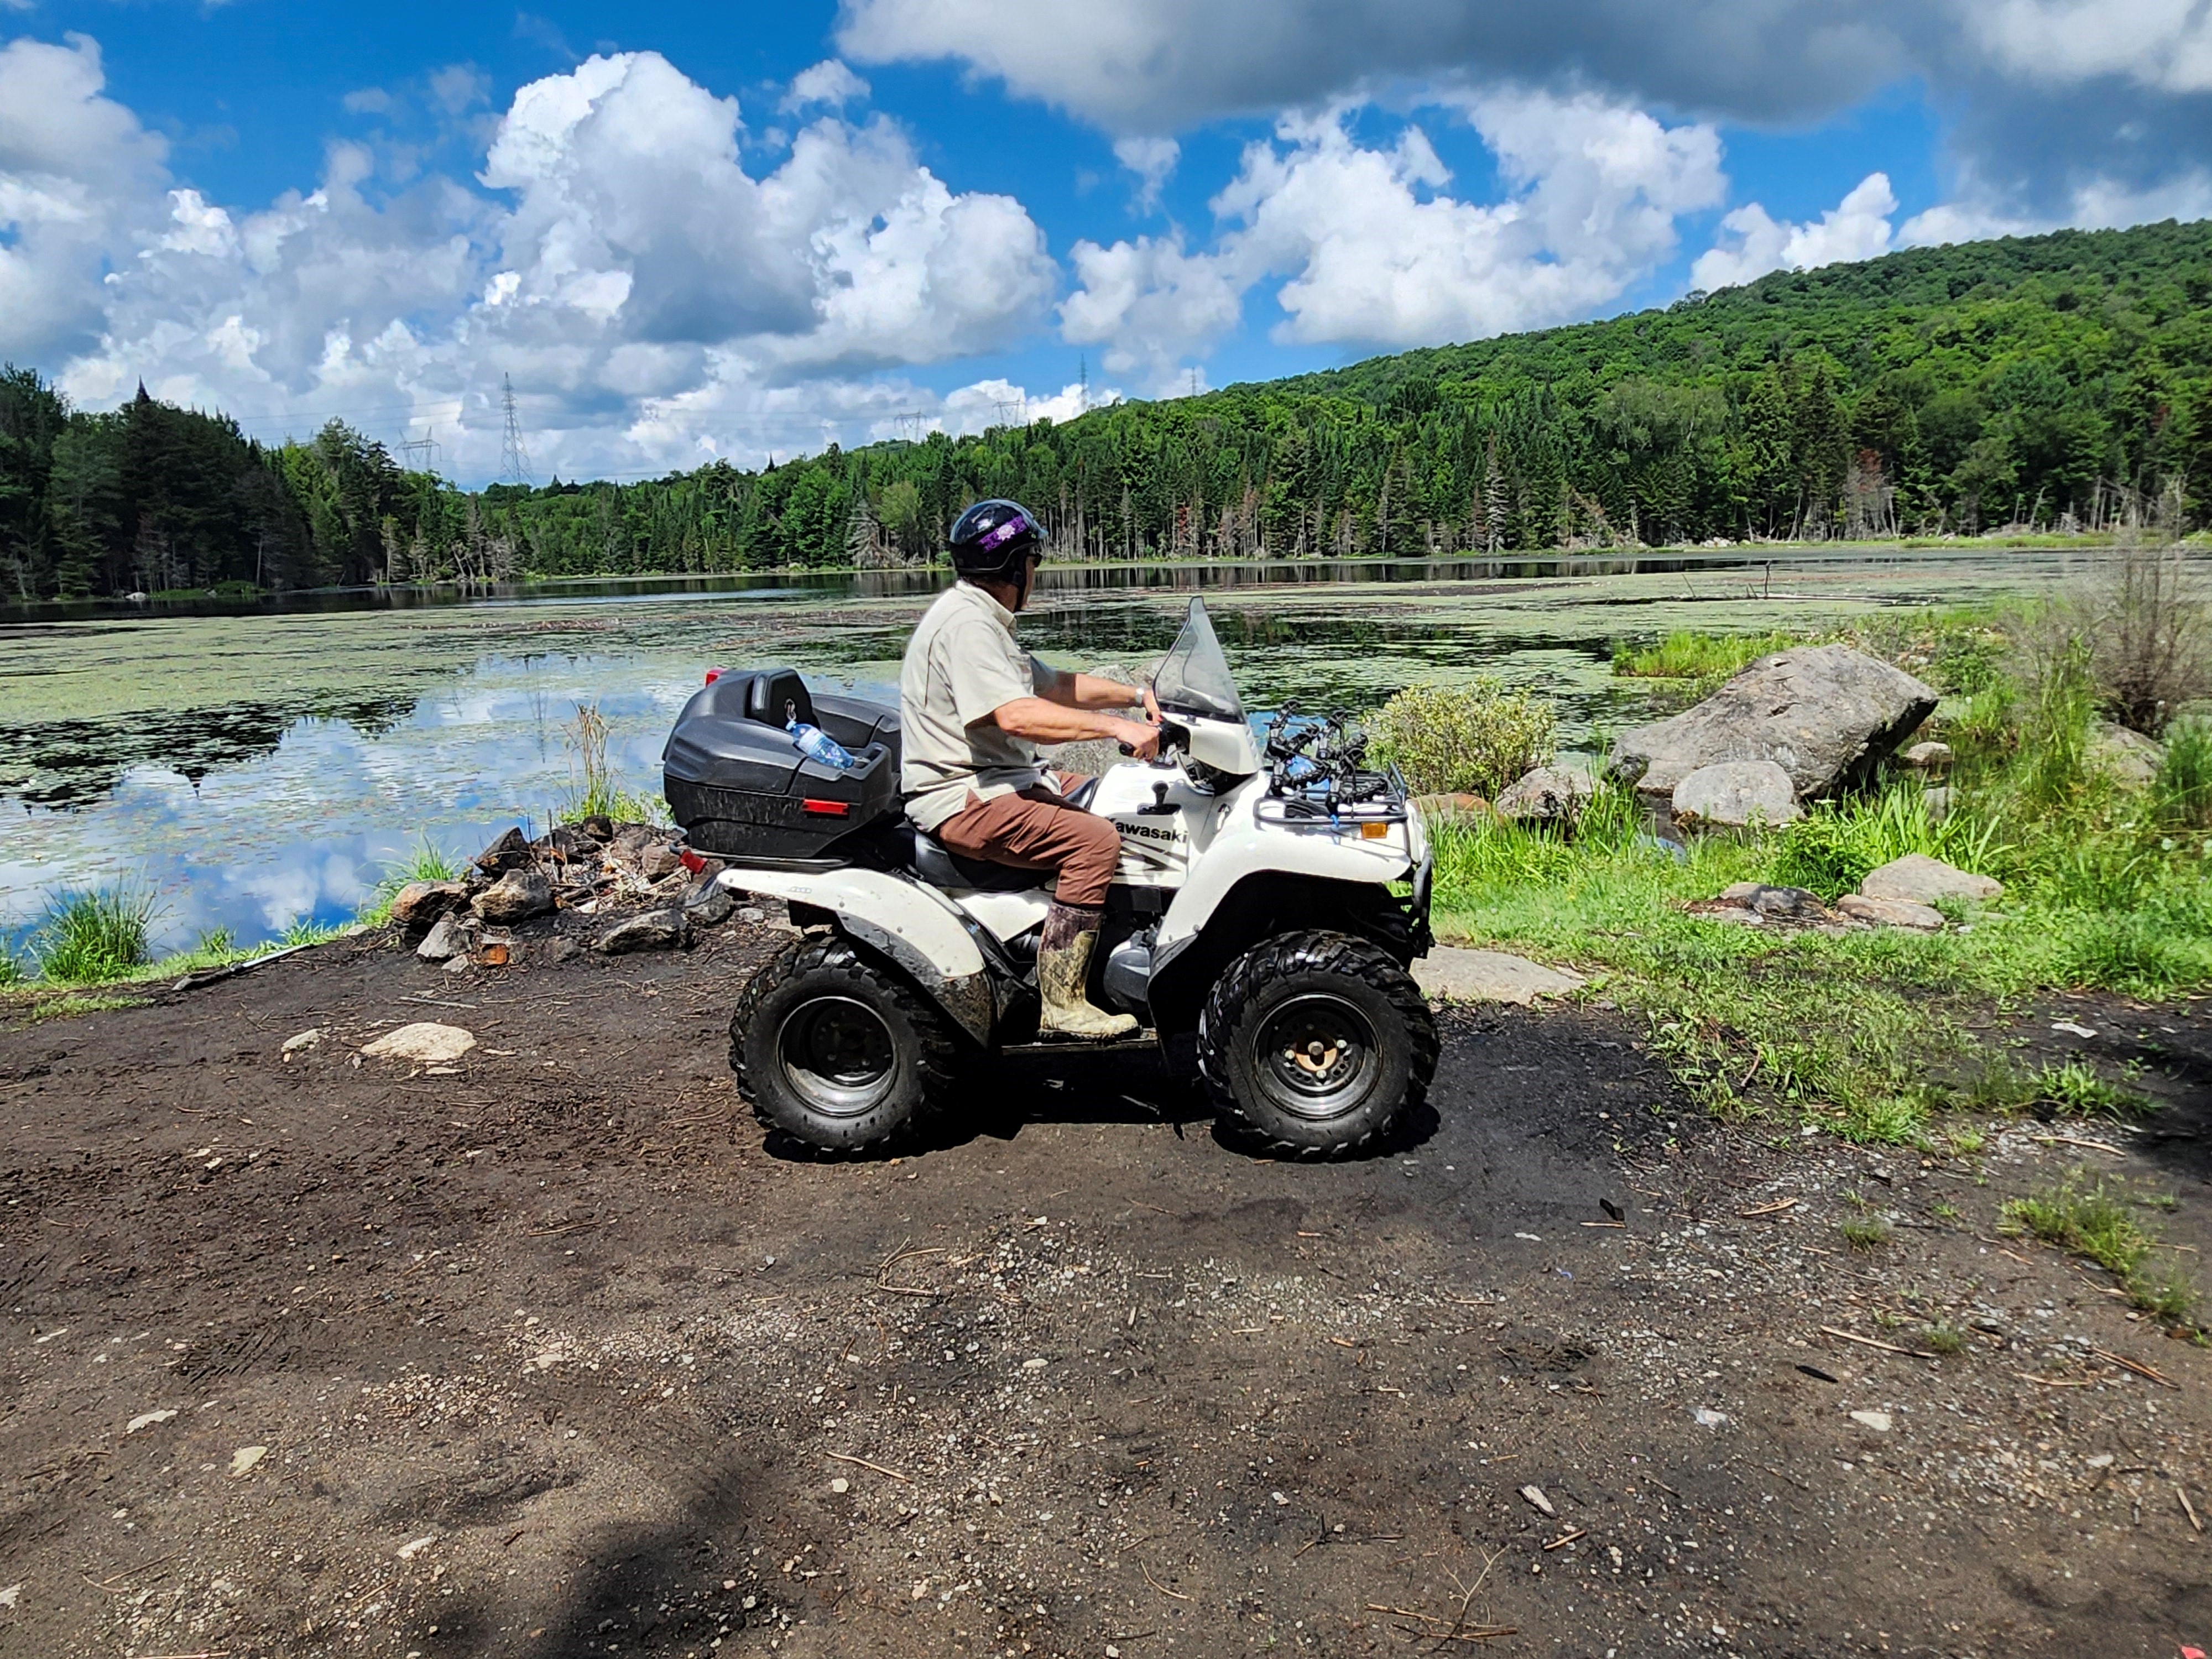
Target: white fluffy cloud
653,299
1752,242
2130,77
1371,250
79,177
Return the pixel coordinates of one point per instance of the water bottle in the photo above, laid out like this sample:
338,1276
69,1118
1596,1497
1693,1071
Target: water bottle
815,744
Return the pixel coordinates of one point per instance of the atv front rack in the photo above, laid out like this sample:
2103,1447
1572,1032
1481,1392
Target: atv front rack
1317,776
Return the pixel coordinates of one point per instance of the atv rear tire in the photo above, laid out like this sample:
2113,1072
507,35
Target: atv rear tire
1317,1042
833,1049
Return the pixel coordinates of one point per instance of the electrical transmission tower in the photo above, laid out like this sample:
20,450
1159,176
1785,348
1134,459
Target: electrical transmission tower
513,458
422,453
1013,412
1083,380
909,424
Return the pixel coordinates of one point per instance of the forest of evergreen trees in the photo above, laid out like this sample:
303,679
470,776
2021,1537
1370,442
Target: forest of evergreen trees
2053,382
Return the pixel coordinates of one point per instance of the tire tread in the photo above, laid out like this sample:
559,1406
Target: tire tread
1326,952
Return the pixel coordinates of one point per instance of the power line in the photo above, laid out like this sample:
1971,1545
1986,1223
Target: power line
513,459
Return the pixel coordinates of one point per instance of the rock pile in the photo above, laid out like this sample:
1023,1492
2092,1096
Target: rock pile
594,868
1902,893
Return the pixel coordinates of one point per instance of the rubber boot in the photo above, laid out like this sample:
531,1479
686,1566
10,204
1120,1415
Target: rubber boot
1063,968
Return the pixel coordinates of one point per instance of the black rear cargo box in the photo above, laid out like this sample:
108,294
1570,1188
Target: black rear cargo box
740,789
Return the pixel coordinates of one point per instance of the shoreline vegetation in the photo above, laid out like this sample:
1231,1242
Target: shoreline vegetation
1751,554
2049,386
2105,856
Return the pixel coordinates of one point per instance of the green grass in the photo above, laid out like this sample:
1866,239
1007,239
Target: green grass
2094,1220
1871,1032
424,863
90,937
2184,787
1685,655
2076,1090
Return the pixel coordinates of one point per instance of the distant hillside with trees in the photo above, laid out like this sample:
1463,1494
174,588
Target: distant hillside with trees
2053,382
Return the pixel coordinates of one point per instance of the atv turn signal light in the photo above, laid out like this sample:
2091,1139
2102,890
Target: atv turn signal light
1374,831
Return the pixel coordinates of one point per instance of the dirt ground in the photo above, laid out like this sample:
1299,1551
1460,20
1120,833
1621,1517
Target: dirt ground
554,1355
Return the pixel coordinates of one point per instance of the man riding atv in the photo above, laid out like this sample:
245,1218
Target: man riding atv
973,706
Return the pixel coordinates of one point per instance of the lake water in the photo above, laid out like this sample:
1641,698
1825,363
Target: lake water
259,769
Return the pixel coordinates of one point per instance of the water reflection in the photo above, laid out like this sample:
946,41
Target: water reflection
261,768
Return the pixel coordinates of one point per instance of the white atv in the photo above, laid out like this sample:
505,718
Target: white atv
1270,898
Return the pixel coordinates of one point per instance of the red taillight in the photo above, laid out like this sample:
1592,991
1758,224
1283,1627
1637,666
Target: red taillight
828,809
713,674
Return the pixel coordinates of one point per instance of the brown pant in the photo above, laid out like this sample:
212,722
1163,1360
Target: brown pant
1035,829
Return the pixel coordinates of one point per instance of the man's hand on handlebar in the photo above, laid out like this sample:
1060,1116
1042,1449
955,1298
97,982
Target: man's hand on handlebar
1139,737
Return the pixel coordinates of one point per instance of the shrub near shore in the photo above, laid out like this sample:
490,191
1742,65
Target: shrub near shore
1870,1031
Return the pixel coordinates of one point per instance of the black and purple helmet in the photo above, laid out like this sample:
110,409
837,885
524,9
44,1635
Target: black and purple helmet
992,539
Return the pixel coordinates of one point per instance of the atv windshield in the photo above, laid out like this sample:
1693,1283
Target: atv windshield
1194,678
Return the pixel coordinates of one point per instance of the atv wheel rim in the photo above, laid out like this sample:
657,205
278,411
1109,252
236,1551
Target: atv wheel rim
838,1055
1316,1055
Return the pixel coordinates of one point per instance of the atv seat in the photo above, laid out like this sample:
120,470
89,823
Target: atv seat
930,860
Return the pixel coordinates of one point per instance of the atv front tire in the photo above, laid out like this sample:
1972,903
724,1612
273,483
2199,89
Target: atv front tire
834,1050
1317,1042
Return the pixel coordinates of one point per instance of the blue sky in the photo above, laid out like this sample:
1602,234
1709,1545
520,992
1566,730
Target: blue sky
686,231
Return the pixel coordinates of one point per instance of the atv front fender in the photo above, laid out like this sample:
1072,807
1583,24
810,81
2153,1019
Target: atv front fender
915,926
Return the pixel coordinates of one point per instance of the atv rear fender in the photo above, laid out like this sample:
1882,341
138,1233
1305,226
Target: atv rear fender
916,928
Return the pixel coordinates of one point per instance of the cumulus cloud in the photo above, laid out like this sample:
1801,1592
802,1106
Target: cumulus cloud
79,177
1152,305
2129,77
1752,242
1372,248
653,299
827,82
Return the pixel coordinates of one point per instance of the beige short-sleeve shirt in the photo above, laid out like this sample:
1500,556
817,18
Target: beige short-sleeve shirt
962,666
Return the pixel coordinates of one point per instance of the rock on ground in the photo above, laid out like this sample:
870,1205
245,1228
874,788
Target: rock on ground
709,903
1929,754
450,935
1793,903
1461,975
656,930
419,903
425,1041
1826,714
1736,794
509,851
515,897
1549,794
1890,913
1916,879
2129,757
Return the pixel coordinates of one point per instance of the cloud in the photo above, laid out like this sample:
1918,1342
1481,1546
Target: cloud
653,299
367,100
1153,161
79,177
1152,305
829,83
1372,250
1753,242
2044,99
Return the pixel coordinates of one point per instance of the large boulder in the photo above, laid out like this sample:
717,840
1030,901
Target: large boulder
515,897
2132,759
1916,879
1549,794
1826,714
1736,795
